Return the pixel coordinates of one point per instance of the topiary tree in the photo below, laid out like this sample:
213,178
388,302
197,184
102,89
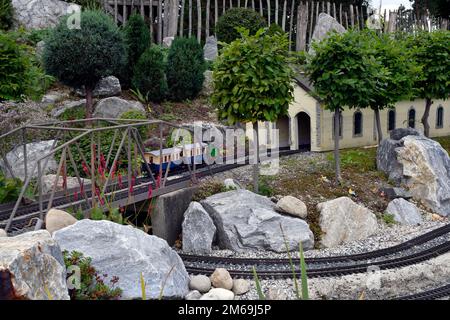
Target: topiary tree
149,74
432,53
185,68
344,73
81,57
253,81
6,14
398,77
238,17
138,39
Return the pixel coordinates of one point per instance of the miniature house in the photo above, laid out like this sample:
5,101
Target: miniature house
309,126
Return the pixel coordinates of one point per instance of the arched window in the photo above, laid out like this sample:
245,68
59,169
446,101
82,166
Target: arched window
357,123
391,120
340,124
412,118
440,117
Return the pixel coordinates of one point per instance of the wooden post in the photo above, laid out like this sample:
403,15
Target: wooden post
392,21
208,6
345,20
124,18
334,10
199,21
276,11
357,17
291,23
352,16
151,20
160,25
261,8
268,13
317,11
302,23
385,22
116,11
362,18
311,20
328,8
142,9
190,19
253,4
283,21
223,6
182,17
340,13
216,11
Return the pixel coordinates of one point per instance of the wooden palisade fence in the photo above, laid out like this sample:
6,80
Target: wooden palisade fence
168,18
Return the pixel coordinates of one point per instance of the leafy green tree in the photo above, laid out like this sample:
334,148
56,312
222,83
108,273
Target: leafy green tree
344,74
226,27
398,75
138,39
253,80
185,68
149,77
432,53
81,57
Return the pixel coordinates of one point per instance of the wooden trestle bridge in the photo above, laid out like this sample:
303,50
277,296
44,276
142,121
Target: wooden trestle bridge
115,178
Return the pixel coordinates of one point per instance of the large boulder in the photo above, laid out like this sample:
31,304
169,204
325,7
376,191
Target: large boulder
210,50
292,206
113,107
3,233
35,150
343,220
421,164
245,220
57,219
198,230
324,25
32,267
48,182
404,212
41,14
127,252
106,87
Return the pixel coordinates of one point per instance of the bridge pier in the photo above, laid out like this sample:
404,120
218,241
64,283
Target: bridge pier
167,215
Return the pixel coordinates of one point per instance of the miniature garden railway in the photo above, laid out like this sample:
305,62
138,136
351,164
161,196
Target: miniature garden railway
433,294
25,215
419,249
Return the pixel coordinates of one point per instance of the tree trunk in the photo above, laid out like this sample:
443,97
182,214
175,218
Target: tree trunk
426,126
378,124
337,160
89,103
256,159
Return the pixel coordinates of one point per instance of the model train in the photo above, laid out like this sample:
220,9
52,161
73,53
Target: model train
175,157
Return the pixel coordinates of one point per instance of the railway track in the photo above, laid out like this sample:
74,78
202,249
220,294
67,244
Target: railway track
433,294
27,215
419,249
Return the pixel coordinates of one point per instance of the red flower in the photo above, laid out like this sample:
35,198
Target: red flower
103,161
133,181
120,180
85,168
75,196
150,191
158,181
97,192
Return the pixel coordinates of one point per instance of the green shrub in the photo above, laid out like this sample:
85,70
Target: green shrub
238,17
88,4
149,75
209,188
6,14
81,57
9,189
138,40
14,64
93,286
185,68
136,115
21,76
274,29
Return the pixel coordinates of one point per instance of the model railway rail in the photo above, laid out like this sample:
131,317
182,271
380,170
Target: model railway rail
27,215
413,251
437,293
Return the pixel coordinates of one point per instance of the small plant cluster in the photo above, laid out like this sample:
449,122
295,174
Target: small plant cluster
209,188
93,286
21,75
6,14
9,189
